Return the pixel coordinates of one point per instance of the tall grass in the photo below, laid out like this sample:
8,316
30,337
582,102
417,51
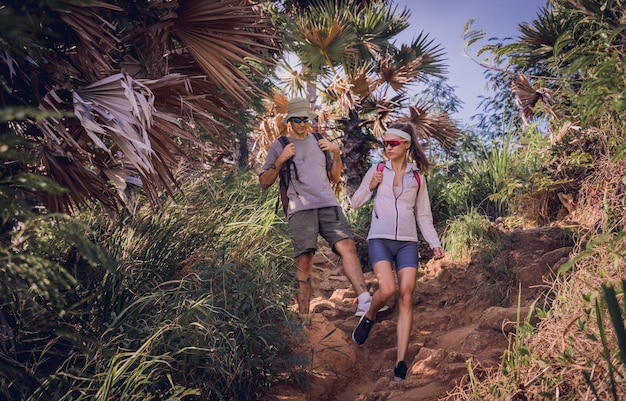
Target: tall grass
360,221
485,177
194,305
470,234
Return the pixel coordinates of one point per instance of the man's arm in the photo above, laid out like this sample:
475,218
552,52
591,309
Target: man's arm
268,177
335,171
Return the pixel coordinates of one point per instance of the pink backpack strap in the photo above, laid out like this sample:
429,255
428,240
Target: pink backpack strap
416,174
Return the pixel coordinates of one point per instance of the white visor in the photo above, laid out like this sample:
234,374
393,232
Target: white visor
399,132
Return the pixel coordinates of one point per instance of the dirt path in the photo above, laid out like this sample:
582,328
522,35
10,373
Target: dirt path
453,323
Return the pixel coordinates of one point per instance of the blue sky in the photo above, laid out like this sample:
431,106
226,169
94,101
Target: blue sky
444,21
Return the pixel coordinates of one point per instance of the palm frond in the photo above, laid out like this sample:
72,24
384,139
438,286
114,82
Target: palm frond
324,43
375,24
231,31
95,46
127,80
121,109
294,80
424,49
362,82
271,124
116,125
438,126
398,76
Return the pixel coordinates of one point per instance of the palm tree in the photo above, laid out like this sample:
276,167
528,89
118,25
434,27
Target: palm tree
123,85
346,53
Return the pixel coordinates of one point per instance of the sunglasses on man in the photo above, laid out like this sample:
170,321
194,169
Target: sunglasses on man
299,120
393,144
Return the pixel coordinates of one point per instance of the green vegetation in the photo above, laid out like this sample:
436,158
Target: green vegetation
167,311
135,264
468,234
576,351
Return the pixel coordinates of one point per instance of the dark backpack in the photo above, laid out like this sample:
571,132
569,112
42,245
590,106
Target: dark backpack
285,172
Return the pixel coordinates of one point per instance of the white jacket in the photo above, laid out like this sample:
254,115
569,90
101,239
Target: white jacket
396,217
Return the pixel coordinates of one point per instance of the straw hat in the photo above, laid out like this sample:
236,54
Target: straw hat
298,107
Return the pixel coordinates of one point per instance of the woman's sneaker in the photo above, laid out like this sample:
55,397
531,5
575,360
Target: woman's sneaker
362,330
399,371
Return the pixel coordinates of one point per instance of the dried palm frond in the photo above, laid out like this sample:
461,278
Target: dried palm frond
341,91
385,109
114,118
127,80
428,126
120,109
363,83
95,46
227,31
564,130
178,96
526,97
399,75
271,126
278,104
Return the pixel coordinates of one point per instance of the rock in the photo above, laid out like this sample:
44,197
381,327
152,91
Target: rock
503,320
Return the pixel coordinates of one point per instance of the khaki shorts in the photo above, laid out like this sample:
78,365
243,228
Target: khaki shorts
305,225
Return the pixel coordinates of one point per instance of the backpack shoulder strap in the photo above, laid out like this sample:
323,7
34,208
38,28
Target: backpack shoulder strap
416,174
283,176
283,140
318,136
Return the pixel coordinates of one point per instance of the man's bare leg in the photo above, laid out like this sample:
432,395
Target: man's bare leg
351,264
304,265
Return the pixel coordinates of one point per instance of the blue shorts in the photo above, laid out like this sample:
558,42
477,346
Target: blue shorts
402,253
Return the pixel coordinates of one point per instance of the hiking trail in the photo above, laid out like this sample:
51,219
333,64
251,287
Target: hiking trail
457,318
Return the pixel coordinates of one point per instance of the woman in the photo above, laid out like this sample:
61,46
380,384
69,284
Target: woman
401,204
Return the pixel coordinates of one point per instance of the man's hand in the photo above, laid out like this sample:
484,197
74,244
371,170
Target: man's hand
334,175
327,145
269,176
288,152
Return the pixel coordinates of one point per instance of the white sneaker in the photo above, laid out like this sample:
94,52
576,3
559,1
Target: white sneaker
362,309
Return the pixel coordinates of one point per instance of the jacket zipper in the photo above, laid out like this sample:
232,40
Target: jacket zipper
396,203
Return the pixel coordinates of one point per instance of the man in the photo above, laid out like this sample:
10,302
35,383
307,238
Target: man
313,207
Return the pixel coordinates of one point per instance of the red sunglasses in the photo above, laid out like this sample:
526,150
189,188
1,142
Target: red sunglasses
393,144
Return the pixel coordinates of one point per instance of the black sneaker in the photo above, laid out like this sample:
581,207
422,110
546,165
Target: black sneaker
400,371
362,330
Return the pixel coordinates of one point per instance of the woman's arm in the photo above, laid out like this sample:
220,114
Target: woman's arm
363,193
424,216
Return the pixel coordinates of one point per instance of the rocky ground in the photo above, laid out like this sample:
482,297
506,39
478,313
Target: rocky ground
461,316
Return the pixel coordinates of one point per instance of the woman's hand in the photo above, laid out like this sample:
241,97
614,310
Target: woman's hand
377,178
439,254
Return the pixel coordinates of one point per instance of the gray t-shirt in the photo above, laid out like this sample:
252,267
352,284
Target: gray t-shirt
311,189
